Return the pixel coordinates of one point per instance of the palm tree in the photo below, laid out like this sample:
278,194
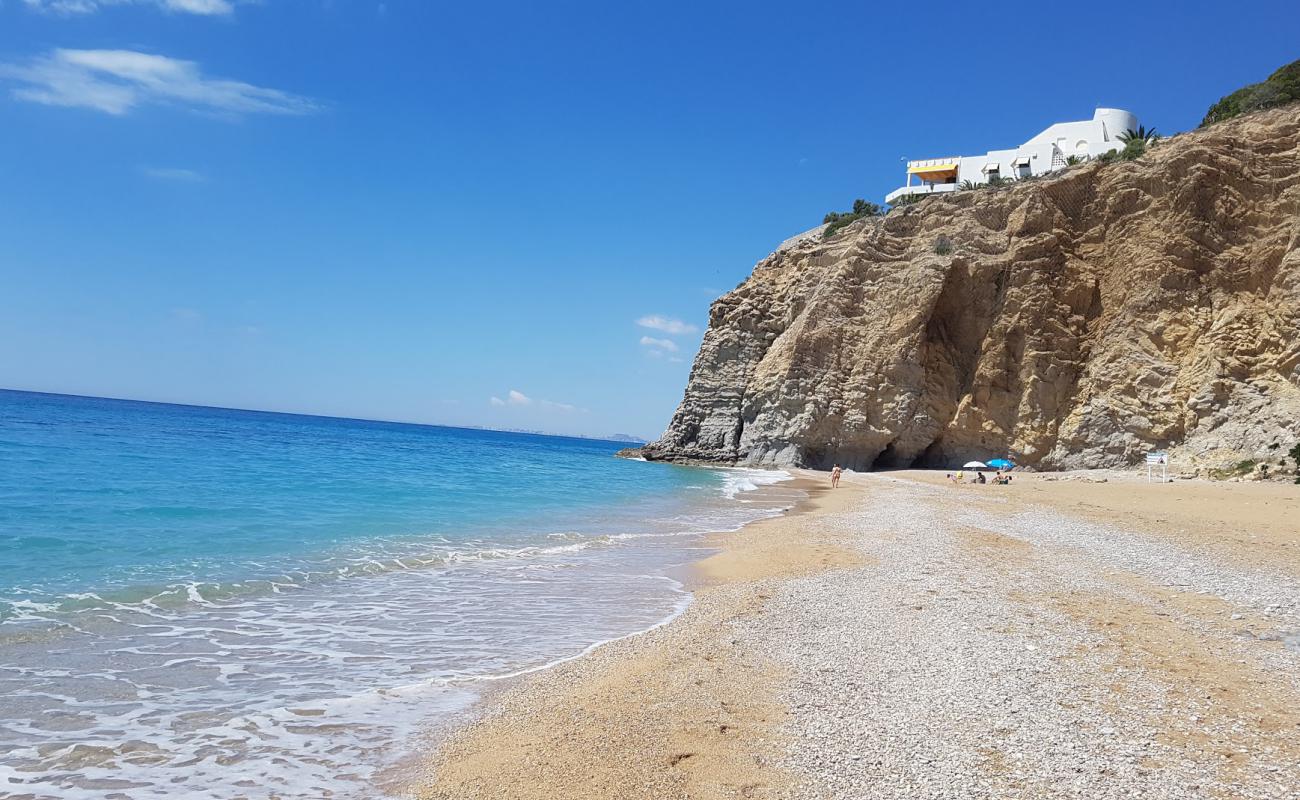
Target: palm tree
1142,134
1071,161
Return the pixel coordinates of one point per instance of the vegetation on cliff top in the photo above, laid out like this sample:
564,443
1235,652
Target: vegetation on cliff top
1278,89
836,220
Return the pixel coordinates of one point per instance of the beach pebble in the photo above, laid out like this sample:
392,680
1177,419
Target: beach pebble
970,658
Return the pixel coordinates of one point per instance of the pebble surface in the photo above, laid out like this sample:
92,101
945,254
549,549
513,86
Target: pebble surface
987,653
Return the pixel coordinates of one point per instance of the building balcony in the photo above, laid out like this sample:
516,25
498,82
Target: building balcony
920,189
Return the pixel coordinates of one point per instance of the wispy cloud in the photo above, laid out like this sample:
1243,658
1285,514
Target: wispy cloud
74,7
174,174
117,81
666,324
659,345
517,398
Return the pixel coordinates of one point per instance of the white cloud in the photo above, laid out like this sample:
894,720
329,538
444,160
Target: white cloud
72,7
517,398
174,174
666,324
659,345
116,81
204,7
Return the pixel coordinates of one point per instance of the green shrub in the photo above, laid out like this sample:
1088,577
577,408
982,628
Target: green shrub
866,209
942,246
835,220
1074,161
1238,470
1132,150
1136,142
1278,89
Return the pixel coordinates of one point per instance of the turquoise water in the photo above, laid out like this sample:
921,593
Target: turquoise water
195,597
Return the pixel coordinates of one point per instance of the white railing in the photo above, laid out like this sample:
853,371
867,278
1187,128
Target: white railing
919,189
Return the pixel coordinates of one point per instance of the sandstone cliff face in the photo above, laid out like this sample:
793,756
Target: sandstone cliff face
1077,321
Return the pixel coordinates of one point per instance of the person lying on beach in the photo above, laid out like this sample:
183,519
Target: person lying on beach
835,476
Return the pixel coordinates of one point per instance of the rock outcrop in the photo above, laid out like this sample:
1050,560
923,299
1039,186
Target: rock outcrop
1078,320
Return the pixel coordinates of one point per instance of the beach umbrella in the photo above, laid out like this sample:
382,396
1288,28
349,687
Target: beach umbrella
1001,463
974,465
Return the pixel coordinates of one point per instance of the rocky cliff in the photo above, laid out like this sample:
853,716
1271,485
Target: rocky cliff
1078,320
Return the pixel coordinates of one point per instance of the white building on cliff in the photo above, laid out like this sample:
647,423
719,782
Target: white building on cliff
1045,152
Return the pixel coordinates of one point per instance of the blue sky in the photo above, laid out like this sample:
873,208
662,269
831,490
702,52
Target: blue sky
459,213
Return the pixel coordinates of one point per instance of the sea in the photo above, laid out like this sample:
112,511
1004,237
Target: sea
209,603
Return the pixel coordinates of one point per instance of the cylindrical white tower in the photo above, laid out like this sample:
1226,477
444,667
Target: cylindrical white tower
1116,121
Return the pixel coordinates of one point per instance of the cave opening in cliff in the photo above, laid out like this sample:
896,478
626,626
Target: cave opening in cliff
890,458
932,457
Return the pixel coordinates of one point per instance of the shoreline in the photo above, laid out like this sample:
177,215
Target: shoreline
794,490
619,666
718,702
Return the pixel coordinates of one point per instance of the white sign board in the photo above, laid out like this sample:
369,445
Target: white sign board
1158,458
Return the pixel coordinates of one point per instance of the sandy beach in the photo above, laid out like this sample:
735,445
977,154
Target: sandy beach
904,637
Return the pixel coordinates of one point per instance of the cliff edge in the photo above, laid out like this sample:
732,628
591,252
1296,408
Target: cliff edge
1078,320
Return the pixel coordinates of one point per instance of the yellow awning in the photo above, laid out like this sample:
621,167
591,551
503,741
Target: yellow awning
932,168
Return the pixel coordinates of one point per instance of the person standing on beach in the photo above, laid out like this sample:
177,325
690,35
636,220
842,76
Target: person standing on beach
835,476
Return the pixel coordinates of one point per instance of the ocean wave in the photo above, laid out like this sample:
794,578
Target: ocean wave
177,597
736,480
168,599
311,702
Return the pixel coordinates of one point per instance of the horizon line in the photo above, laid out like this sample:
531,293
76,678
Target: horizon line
518,431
